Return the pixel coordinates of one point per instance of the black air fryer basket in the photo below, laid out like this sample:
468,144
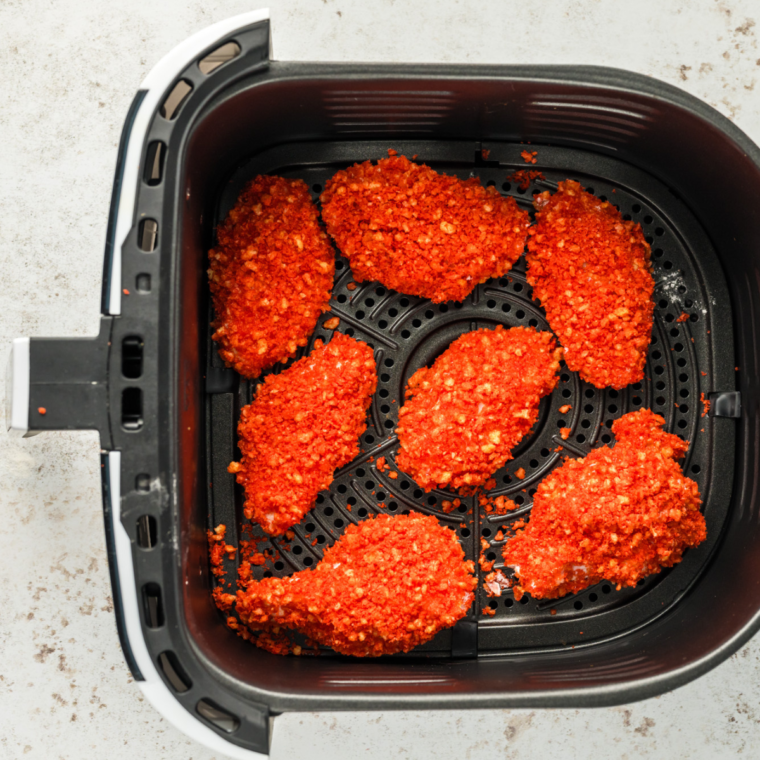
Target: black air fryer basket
218,111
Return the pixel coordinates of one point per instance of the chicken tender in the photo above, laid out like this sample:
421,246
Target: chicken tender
467,412
303,424
388,585
618,515
420,232
271,274
591,271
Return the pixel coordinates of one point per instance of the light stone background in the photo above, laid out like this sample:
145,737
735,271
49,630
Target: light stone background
68,71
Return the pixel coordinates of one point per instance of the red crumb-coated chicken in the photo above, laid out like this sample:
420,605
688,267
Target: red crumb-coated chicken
270,273
618,515
420,232
303,424
592,273
465,414
388,585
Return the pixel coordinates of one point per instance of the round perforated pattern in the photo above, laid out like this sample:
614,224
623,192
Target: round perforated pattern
407,333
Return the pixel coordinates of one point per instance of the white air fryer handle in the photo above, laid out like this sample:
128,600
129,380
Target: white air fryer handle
17,389
156,86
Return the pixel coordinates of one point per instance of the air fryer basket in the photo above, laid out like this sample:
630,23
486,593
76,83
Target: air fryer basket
152,382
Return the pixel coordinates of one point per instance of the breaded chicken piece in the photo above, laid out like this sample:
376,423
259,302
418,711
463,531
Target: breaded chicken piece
618,515
387,585
592,273
465,414
271,274
420,232
303,424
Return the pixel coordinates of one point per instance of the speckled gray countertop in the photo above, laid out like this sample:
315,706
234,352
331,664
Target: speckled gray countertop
68,71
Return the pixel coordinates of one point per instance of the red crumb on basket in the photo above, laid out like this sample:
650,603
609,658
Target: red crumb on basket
303,424
529,156
351,286
499,504
331,324
591,271
216,549
488,611
619,515
393,475
684,316
41,410
387,585
485,153
125,291
420,232
464,414
565,433
565,409
450,506
523,177
496,582
381,465
270,273
520,474
706,403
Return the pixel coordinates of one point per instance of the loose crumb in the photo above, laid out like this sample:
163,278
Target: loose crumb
331,324
565,433
684,316
41,410
523,177
706,403
565,409
529,156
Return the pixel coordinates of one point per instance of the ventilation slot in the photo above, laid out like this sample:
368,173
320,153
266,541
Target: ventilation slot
218,57
177,97
216,716
154,163
131,356
131,409
147,235
146,532
173,671
142,283
152,606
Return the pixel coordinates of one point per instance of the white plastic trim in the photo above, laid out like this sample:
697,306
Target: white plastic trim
157,83
153,687
17,388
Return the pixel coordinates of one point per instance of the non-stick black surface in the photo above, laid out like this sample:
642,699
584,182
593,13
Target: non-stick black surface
407,333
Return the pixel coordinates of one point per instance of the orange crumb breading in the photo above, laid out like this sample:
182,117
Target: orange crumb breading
303,424
591,270
270,273
386,586
420,232
618,515
464,414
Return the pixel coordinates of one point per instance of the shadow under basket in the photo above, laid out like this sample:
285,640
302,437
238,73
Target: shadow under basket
167,404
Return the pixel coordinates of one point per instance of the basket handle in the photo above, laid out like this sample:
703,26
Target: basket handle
59,384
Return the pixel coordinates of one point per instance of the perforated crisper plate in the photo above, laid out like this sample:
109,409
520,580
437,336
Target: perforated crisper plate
407,333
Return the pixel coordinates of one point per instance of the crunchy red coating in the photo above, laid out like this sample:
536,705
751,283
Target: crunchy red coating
387,585
591,271
619,515
420,232
270,275
303,424
464,414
